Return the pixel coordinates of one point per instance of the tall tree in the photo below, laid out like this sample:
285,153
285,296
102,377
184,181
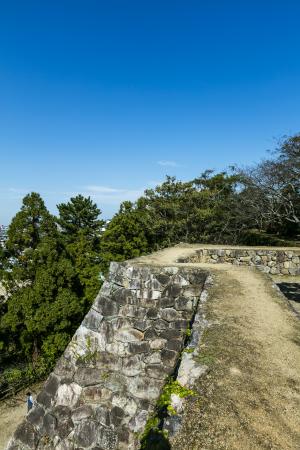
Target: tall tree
80,227
272,189
80,215
43,307
27,229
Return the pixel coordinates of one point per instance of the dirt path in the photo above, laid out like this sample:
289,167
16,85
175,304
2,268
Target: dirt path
12,411
11,414
250,398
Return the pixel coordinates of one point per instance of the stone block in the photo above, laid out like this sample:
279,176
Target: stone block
106,306
119,349
150,334
167,302
36,416
68,395
180,324
116,416
128,405
175,344
26,434
142,325
163,278
183,304
82,413
44,399
133,365
51,384
179,280
65,365
158,344
92,320
123,296
85,433
153,358
154,285
102,415
64,423
152,313
138,347
129,335
169,314
173,290
169,357
171,334
96,394
144,387
49,424
88,376
137,424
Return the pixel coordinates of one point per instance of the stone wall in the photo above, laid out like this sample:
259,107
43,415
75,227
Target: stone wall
106,385
284,262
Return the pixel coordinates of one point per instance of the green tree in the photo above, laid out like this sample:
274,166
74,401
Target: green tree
43,307
126,236
80,215
80,228
43,313
27,229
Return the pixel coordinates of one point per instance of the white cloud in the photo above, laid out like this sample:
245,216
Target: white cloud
104,189
110,195
168,163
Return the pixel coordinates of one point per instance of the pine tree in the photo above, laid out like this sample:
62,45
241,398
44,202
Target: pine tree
44,305
80,215
81,229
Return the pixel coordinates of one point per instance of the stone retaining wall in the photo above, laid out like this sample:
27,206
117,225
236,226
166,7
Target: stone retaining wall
284,262
106,385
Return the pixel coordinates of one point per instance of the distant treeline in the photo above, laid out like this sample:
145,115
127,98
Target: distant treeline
50,266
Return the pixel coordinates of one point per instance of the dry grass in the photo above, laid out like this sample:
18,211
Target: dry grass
250,399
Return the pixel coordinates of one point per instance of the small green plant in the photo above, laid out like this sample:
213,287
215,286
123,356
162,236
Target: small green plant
172,387
90,355
105,375
153,438
188,332
188,350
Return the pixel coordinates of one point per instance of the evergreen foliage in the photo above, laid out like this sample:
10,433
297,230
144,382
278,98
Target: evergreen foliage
80,229
51,275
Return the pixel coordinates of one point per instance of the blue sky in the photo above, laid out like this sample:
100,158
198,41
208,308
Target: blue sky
105,98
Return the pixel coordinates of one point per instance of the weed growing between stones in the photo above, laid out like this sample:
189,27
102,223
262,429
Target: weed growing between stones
172,387
90,355
153,437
